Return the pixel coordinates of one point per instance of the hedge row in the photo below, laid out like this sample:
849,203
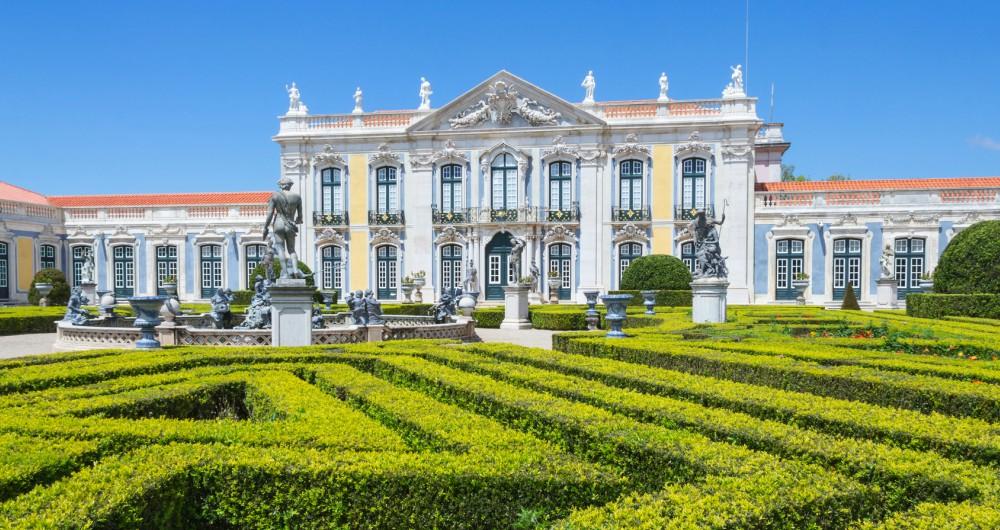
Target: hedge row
942,305
650,455
672,298
557,318
917,392
29,319
907,473
940,516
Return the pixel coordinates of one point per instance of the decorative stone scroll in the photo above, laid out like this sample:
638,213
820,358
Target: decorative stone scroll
384,157
329,236
328,157
450,235
559,149
559,234
631,232
631,147
501,104
385,237
694,145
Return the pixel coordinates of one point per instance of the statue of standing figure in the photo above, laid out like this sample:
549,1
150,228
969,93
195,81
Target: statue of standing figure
709,262
358,95
295,104
425,94
664,85
284,214
87,272
535,275
589,84
472,279
737,77
887,261
516,249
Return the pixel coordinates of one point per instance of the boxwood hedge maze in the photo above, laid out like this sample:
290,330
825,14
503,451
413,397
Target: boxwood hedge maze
780,418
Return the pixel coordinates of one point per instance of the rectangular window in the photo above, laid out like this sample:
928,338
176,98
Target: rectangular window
782,280
855,246
838,273
797,247
854,272
901,275
494,269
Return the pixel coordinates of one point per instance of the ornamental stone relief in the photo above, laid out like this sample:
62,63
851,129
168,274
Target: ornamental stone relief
631,147
559,149
385,237
385,156
694,145
502,103
450,235
559,234
630,232
328,157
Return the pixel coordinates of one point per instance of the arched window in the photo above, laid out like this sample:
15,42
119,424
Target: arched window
387,198
5,273
332,271
451,188
503,178
687,255
789,261
166,266
123,260
560,194
846,266
47,256
255,254
387,270
693,184
80,255
333,191
451,267
626,253
909,257
211,270
630,183
561,264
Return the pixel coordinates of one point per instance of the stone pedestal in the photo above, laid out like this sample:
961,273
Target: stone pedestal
90,291
375,332
886,292
515,315
291,313
534,298
708,300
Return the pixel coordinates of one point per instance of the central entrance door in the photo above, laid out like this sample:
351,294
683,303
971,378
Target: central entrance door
498,265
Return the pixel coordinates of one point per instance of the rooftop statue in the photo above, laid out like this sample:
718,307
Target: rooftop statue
358,95
664,85
284,214
425,94
589,84
295,104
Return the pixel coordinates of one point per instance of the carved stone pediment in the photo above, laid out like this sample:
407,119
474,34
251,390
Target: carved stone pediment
76,236
450,235
631,232
911,219
694,145
384,237
328,157
210,235
121,235
847,219
505,100
329,236
559,149
448,155
384,157
559,234
789,220
503,147
631,147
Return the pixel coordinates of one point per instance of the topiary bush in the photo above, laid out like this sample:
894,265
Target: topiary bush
971,262
656,271
850,300
60,289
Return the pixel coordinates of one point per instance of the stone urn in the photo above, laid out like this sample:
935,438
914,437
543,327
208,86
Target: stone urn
43,288
927,285
553,294
170,288
147,317
407,292
593,317
106,301
467,303
649,300
800,285
616,304
327,299
418,284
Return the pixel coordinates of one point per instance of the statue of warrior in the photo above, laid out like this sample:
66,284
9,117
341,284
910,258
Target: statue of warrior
284,214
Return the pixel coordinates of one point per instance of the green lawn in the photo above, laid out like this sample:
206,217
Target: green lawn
780,418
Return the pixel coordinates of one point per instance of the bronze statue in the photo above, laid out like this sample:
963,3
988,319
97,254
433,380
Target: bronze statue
284,214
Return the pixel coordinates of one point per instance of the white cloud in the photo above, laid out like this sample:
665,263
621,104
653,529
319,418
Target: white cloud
985,142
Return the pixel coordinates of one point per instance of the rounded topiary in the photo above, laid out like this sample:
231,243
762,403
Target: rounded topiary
656,271
60,289
971,261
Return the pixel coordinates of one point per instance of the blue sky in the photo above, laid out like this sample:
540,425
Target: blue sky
124,97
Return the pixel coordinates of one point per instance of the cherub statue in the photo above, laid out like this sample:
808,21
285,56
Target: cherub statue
221,314
75,313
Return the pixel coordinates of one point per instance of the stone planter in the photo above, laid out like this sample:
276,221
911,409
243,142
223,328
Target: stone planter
147,317
170,288
43,288
616,304
418,284
106,301
407,292
800,286
649,300
593,317
467,303
927,285
327,299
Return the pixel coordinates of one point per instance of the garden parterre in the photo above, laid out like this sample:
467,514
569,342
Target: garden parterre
780,418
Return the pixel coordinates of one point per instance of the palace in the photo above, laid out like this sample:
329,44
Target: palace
589,186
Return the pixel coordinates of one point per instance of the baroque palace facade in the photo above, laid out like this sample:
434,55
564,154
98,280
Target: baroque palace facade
589,186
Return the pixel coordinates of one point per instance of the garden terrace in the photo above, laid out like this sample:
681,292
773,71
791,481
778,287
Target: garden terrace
741,425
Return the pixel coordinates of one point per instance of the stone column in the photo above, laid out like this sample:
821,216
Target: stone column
595,209
291,313
734,185
515,308
419,195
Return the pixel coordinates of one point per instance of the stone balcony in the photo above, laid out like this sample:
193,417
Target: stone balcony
386,218
683,213
330,219
631,215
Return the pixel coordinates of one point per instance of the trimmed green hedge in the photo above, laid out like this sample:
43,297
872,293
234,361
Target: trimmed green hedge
30,319
970,263
552,317
664,298
656,271
964,305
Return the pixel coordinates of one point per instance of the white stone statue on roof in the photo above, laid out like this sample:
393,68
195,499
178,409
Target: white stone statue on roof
425,94
664,85
295,104
589,84
358,95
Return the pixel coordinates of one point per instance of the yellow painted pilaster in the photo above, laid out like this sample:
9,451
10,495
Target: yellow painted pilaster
25,263
358,212
662,198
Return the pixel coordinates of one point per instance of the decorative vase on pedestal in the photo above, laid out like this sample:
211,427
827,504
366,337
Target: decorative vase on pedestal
593,317
418,283
927,285
106,302
800,286
616,304
553,294
147,317
467,303
649,300
407,293
43,288
170,288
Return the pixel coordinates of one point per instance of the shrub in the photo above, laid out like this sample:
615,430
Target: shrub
965,305
664,298
18,320
656,271
60,289
488,317
971,261
850,300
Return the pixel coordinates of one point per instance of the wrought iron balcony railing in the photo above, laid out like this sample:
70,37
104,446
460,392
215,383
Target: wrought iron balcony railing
630,214
563,215
330,219
390,217
685,213
450,218
503,215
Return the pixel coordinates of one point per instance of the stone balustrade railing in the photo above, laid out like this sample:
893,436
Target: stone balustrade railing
812,199
247,212
28,210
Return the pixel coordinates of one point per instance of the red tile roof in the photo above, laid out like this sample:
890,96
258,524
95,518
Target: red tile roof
10,192
881,185
161,199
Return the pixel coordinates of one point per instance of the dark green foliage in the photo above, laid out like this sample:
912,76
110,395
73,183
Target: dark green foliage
242,297
60,289
850,300
971,261
664,298
656,271
942,305
488,317
18,320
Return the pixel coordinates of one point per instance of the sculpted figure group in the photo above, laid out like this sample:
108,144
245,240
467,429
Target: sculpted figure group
365,308
75,313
